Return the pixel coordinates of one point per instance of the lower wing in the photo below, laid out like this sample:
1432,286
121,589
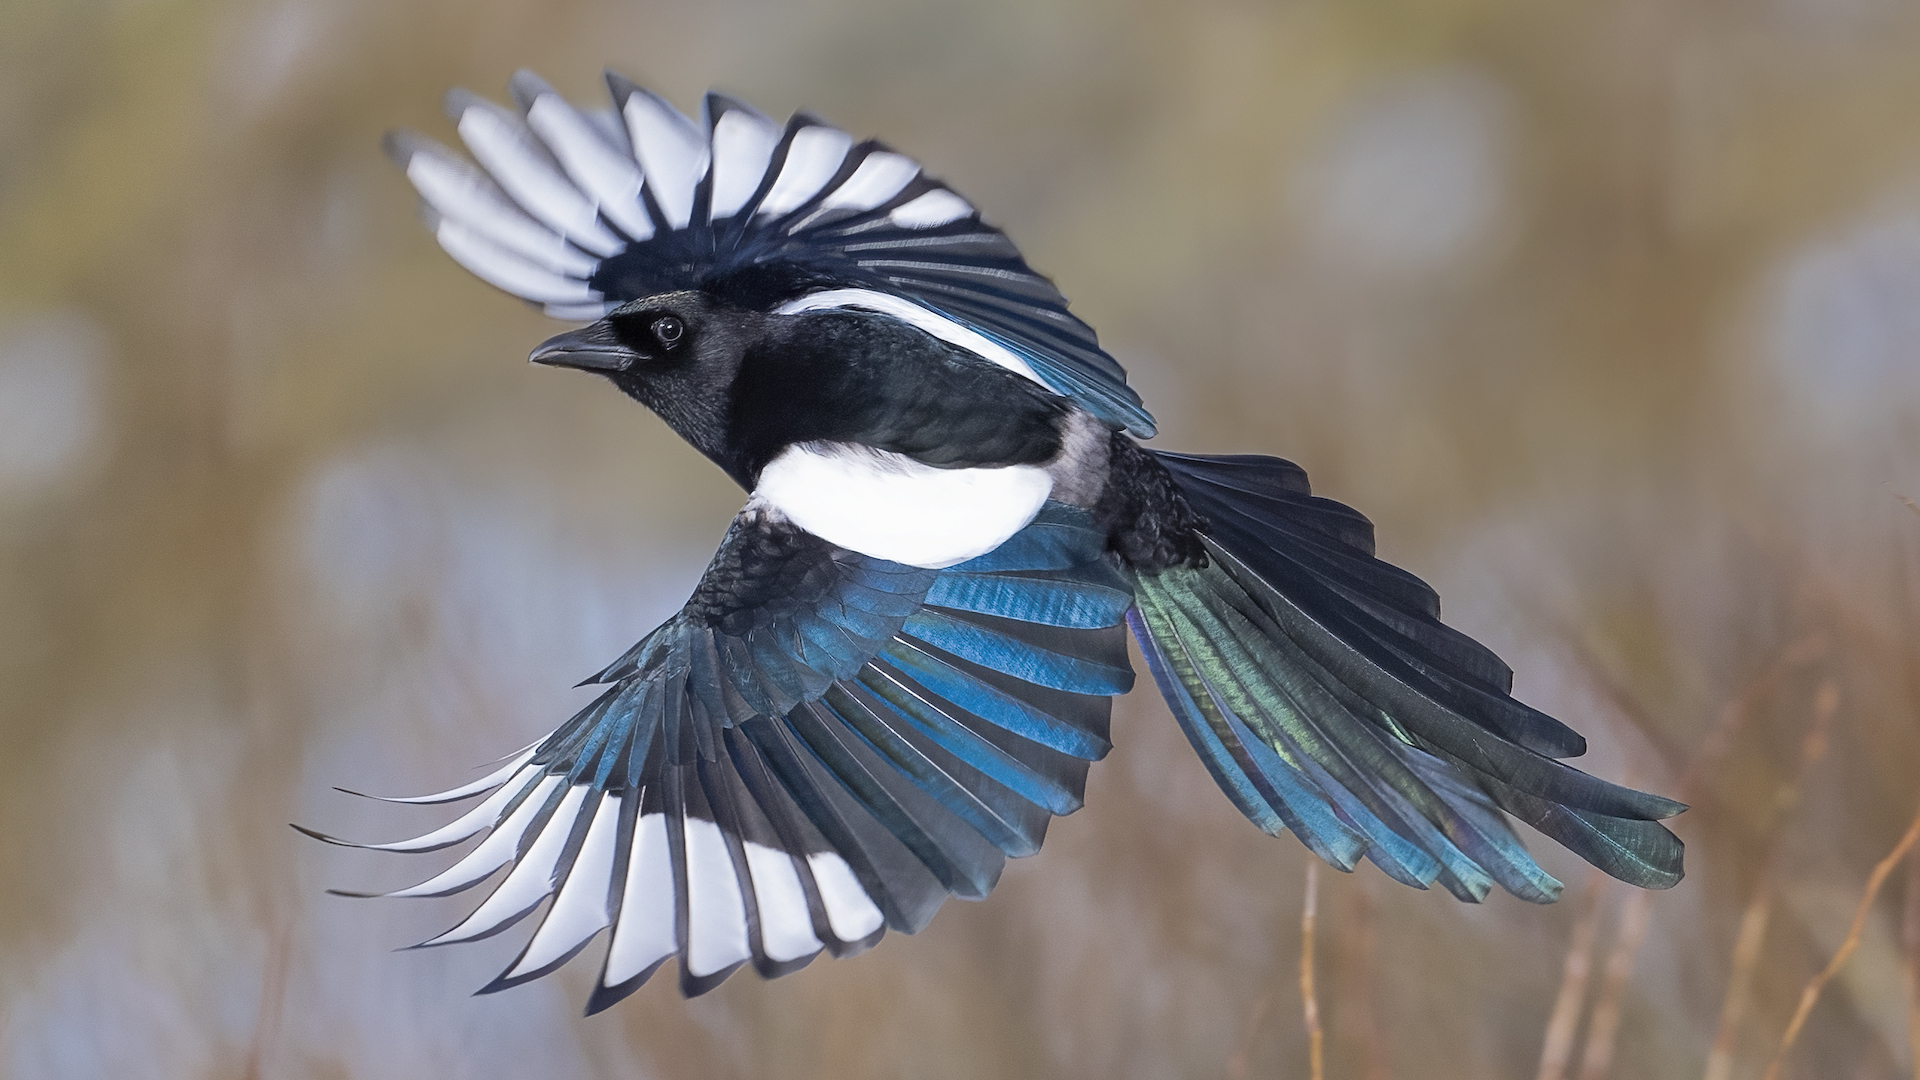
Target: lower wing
820,746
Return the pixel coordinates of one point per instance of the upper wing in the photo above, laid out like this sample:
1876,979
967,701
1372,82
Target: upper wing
580,212
819,746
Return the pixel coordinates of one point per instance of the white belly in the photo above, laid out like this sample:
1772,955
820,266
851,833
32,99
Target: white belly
892,507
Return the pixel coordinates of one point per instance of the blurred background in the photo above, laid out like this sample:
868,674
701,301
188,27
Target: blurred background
1607,313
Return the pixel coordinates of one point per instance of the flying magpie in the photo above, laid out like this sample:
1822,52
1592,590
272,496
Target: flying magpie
902,658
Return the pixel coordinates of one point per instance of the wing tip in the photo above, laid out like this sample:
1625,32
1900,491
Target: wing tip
525,88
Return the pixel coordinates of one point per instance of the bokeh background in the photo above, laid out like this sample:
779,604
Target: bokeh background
1607,313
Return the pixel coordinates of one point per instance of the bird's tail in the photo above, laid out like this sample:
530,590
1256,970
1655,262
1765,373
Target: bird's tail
1324,694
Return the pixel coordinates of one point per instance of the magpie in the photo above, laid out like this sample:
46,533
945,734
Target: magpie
901,661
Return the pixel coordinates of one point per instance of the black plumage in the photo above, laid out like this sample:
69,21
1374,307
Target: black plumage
900,663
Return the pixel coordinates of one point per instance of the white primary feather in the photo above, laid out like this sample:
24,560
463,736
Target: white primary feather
671,150
879,178
531,878
580,911
786,927
892,507
937,207
516,161
486,814
457,191
610,177
850,912
644,933
743,144
493,852
491,780
923,318
503,269
591,312
716,912
813,157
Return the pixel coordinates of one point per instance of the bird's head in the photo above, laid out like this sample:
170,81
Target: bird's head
675,352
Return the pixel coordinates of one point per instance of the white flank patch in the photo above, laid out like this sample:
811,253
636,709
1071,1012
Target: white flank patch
645,931
914,315
892,507
849,912
716,913
786,928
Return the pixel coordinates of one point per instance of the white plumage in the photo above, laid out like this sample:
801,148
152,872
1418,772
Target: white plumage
892,507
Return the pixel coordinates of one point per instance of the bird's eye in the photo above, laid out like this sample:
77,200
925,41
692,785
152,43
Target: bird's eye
668,331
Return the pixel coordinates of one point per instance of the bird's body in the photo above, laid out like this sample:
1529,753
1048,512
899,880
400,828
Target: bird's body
901,660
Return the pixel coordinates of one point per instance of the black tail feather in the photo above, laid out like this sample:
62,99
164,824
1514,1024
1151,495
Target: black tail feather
1326,696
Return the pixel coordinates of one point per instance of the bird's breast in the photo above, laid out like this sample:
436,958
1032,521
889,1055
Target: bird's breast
892,507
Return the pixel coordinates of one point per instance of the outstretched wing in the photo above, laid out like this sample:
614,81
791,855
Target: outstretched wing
819,746
581,212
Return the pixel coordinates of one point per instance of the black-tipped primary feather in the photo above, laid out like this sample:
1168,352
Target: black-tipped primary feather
660,202
782,769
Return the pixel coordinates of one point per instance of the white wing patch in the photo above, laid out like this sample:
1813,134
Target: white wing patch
892,507
743,144
850,912
879,178
923,318
932,209
559,190
644,935
671,150
786,928
580,911
813,157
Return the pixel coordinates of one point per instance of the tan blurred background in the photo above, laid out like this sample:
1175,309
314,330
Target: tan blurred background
1607,313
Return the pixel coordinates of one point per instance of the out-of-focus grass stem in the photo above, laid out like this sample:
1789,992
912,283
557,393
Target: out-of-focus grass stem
1556,1049
1811,994
1759,909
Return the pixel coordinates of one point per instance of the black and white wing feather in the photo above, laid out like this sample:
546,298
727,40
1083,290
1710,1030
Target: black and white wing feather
819,746
579,212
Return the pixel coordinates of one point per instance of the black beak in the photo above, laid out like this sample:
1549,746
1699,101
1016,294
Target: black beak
593,349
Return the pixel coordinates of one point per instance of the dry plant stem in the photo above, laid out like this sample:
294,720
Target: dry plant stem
1556,1049
1753,921
1746,955
1734,715
1309,1001
1910,942
1604,1026
273,993
1811,994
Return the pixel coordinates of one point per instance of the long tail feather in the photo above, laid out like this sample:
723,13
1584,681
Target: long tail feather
1325,695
